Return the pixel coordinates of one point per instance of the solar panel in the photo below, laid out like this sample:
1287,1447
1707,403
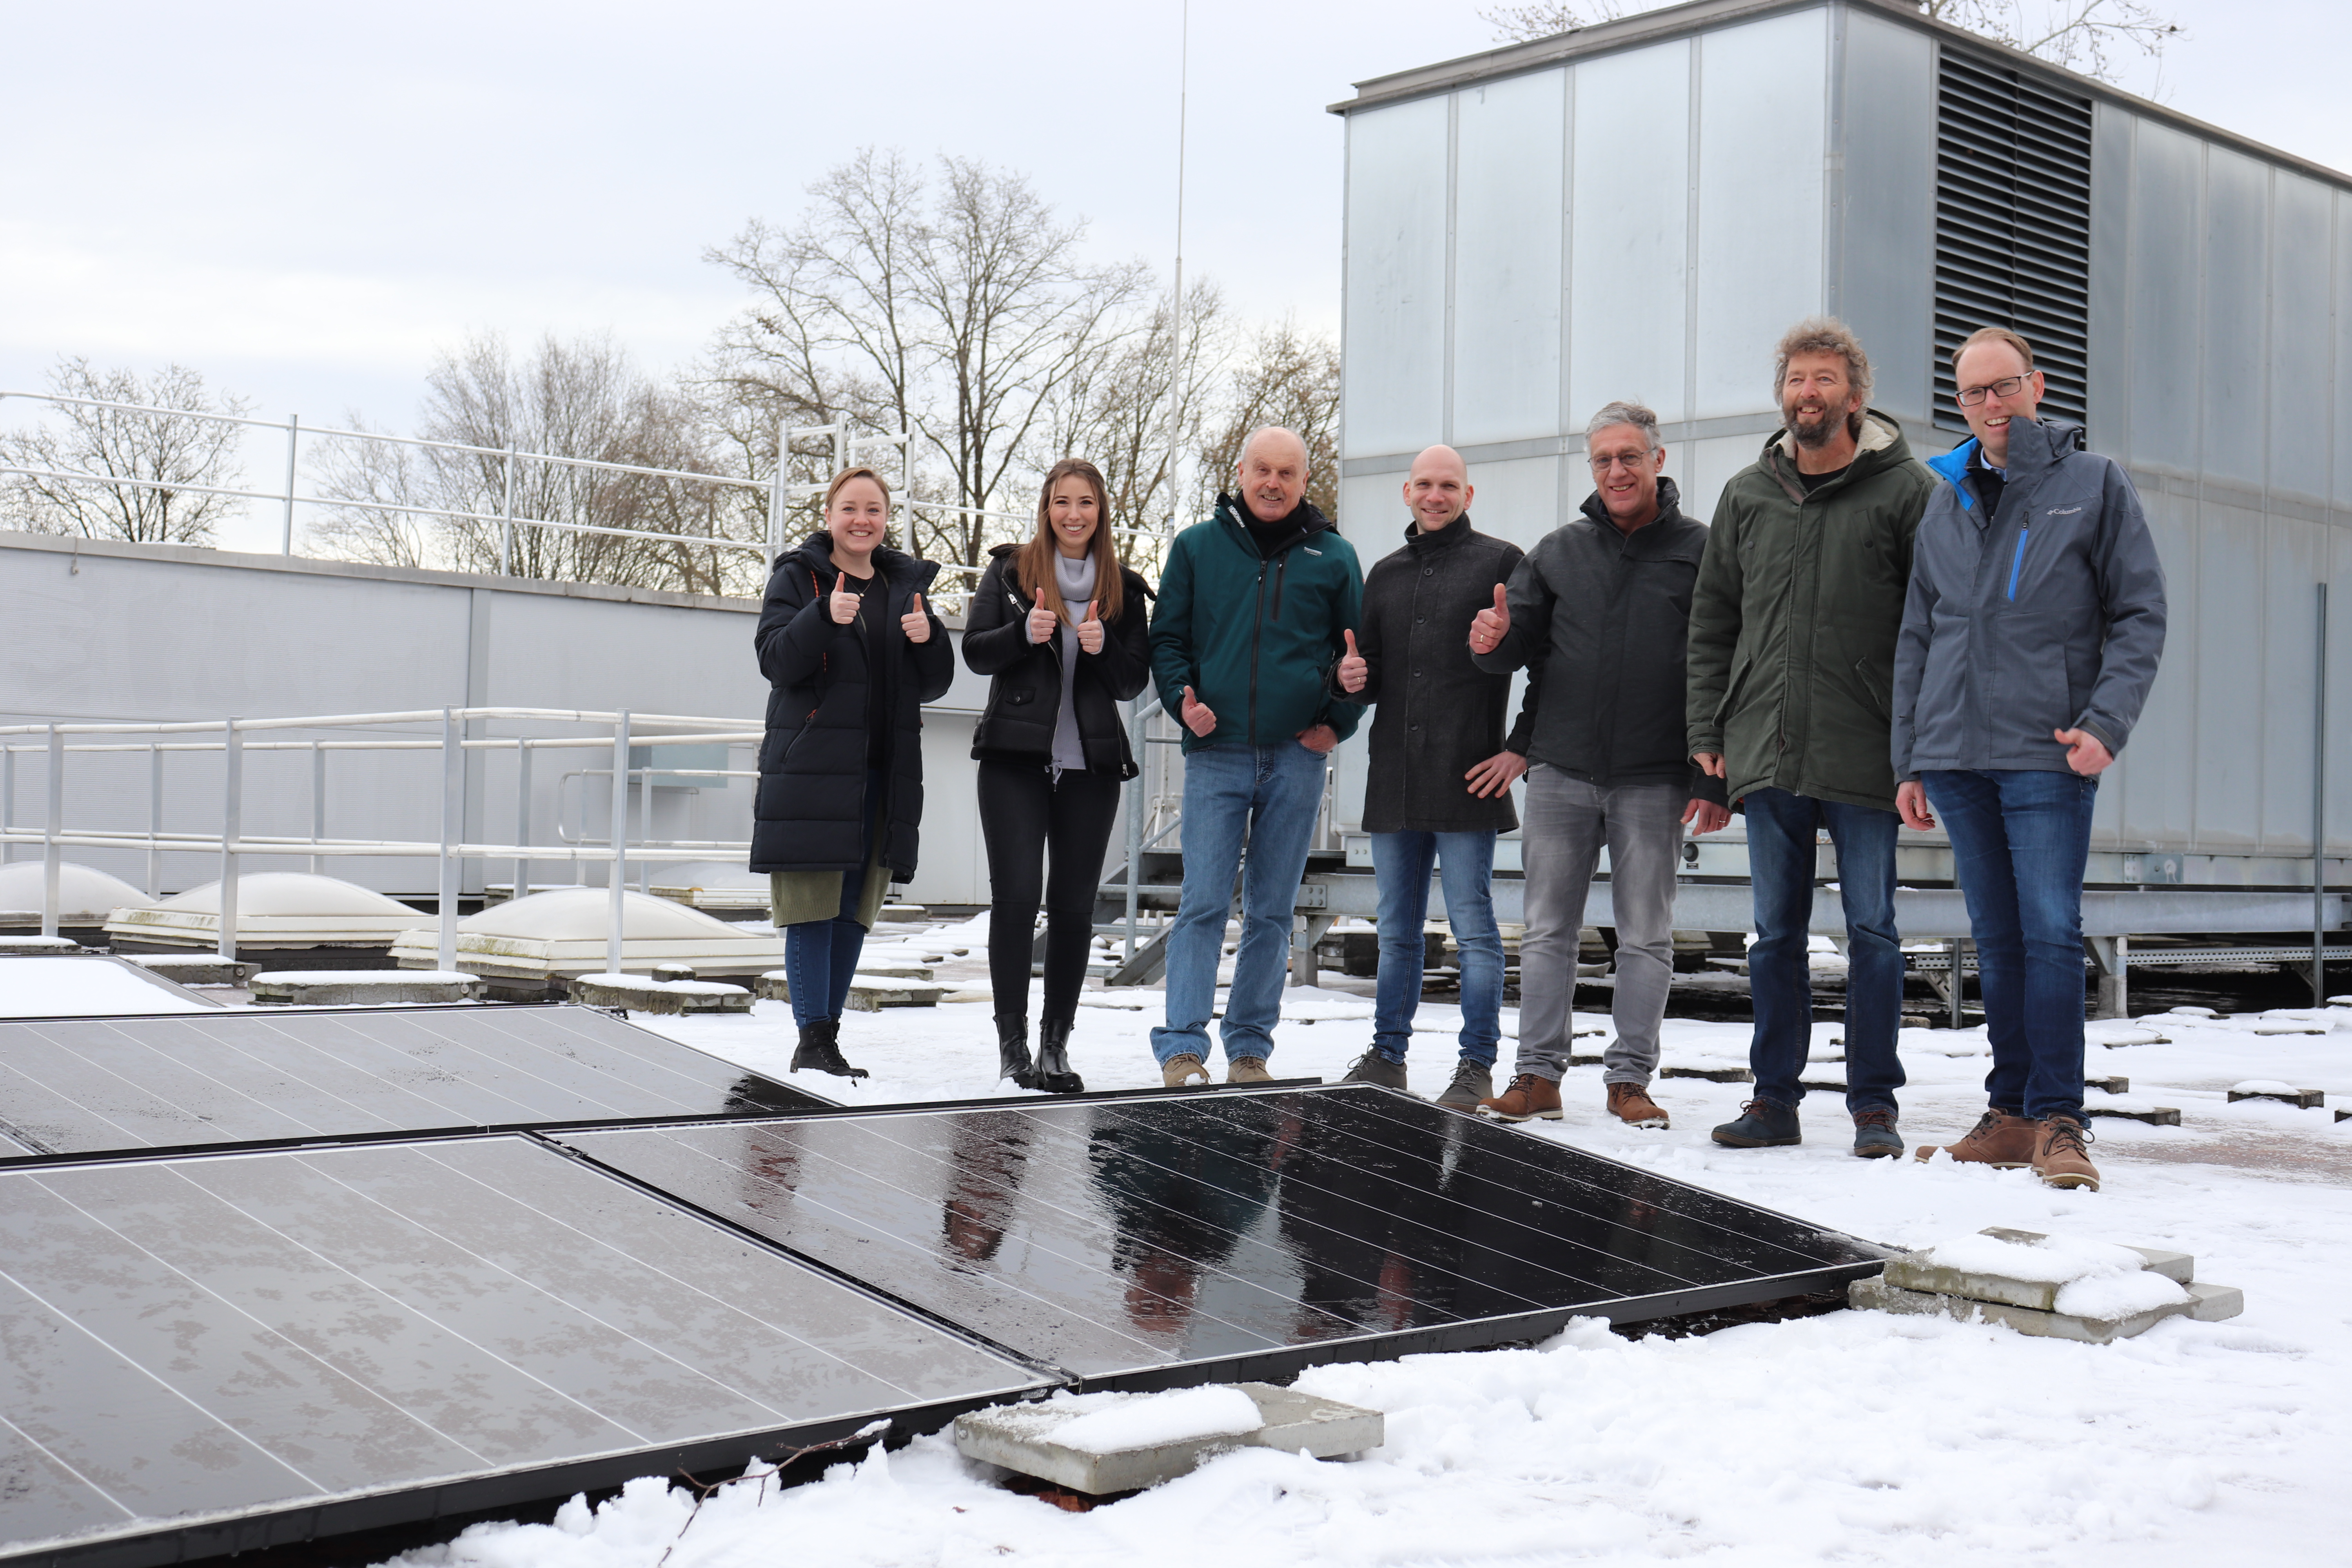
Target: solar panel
222,1352
1259,1231
78,1086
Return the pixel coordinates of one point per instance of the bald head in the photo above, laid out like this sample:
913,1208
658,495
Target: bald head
1272,474
1437,488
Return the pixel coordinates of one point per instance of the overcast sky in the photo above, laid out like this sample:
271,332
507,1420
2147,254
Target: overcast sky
305,202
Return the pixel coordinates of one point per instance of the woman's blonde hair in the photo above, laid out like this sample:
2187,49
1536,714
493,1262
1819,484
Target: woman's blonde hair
1035,560
860,472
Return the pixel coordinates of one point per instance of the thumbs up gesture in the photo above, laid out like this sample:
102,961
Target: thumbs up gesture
1090,630
917,622
1042,621
842,603
1489,627
1353,671
1197,717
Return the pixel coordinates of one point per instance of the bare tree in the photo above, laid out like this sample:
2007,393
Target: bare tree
1285,377
578,400
1519,24
162,450
2081,35
960,312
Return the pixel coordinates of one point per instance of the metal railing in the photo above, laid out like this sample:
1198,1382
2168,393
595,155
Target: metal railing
621,732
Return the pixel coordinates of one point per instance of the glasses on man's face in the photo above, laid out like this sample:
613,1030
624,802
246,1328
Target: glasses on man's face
2007,386
1630,461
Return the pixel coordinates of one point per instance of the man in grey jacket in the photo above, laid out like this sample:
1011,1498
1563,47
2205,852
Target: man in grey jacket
2030,639
1440,789
1600,610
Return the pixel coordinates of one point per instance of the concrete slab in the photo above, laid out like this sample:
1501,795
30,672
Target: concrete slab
640,994
2177,1266
872,993
46,946
361,987
2211,1303
195,968
1021,1438
2115,1083
2154,1115
1712,1075
1914,1271
2302,1098
1877,1295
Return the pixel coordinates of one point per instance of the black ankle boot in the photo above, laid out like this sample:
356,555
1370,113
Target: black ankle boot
1012,1052
1054,1074
819,1050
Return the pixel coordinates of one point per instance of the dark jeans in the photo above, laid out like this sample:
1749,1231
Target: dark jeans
1780,865
2020,843
820,956
1025,814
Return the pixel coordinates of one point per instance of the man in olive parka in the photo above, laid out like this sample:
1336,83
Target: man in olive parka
1791,660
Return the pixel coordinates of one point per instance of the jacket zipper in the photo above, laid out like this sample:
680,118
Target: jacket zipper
1257,619
2017,564
1280,563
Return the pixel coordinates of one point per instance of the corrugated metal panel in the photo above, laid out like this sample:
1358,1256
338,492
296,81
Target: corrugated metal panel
2012,224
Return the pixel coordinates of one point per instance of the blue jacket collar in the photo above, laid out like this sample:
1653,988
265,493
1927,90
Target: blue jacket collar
1954,463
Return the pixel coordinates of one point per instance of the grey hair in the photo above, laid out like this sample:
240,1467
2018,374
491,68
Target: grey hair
1626,411
1823,335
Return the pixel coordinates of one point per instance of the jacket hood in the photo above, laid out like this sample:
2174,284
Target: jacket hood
2033,446
1881,444
1670,506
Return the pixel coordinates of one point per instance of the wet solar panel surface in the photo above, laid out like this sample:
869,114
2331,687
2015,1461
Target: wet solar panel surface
1108,1238
79,1086
192,1337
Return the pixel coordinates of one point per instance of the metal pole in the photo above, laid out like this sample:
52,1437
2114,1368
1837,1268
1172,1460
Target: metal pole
453,807
2319,811
620,828
232,829
1135,794
293,445
776,497
8,800
522,819
154,819
318,803
52,852
506,521
1176,300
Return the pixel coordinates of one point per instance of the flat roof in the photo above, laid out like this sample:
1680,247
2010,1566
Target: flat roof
1697,17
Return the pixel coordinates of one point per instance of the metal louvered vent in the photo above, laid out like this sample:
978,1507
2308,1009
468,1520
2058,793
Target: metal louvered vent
2012,225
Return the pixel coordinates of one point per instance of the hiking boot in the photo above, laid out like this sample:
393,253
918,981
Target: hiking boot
2001,1138
1054,1074
1374,1067
1472,1082
1247,1070
1530,1095
819,1050
1630,1104
1177,1072
1874,1137
1012,1053
2061,1157
1761,1125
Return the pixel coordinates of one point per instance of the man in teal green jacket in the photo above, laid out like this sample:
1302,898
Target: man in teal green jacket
1255,607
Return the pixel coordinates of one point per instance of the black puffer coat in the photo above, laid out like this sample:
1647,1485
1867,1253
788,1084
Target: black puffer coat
810,812
1025,694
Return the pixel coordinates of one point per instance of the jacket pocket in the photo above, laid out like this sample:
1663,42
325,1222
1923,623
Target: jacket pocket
1013,698
1877,687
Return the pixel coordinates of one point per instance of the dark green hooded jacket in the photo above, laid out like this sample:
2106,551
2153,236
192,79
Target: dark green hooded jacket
1255,636
1793,622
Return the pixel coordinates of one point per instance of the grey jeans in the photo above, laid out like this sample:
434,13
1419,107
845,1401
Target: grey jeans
1566,823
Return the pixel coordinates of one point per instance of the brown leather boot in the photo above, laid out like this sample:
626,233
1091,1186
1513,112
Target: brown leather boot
2001,1138
1247,1070
1530,1095
1177,1072
2061,1157
1630,1104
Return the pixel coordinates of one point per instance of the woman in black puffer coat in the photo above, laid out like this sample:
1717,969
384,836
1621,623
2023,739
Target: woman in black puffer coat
1060,626
851,655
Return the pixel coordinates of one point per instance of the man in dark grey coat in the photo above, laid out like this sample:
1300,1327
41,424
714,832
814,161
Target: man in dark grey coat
2030,639
1440,789
1600,610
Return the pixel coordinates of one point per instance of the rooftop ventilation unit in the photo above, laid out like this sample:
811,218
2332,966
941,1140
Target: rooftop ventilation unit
2012,225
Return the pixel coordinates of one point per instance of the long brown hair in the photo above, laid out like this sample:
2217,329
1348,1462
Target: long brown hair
1035,560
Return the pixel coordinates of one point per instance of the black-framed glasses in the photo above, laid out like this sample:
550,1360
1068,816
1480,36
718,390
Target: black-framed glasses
2007,386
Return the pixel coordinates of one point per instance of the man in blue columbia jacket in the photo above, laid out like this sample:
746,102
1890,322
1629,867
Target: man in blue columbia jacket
2030,636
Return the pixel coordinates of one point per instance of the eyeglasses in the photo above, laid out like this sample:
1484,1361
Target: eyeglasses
2007,386
1633,463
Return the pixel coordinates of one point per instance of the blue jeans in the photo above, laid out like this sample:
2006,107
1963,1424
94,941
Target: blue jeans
2020,843
1269,795
1401,865
1780,865
820,956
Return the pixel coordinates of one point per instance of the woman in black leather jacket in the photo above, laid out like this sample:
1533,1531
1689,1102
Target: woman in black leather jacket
1060,626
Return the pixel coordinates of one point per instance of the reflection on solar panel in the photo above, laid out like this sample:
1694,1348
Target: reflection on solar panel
216,1353
80,1085
1260,1232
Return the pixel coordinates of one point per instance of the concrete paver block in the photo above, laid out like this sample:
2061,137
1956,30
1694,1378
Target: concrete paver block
1712,1075
1021,1438
196,968
2154,1115
2115,1083
361,987
639,994
2211,1303
2302,1098
872,993
39,946
1878,1295
2178,1267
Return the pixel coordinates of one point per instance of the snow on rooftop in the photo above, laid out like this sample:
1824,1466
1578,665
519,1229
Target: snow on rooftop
71,987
